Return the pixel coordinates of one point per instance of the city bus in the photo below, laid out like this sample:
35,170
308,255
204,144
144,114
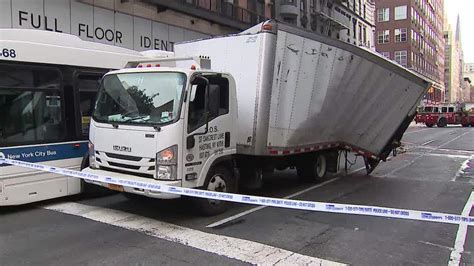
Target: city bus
48,85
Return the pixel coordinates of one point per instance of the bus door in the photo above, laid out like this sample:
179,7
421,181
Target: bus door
87,85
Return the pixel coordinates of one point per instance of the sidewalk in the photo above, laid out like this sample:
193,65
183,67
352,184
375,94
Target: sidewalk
413,124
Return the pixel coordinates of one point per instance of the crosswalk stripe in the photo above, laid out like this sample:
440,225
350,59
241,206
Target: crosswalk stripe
235,248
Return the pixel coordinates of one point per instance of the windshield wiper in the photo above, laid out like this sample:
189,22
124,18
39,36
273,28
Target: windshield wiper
136,118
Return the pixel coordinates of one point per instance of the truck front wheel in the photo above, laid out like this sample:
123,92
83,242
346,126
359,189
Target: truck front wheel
313,170
219,179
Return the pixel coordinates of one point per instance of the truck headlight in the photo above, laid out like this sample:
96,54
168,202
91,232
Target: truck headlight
92,160
166,172
166,161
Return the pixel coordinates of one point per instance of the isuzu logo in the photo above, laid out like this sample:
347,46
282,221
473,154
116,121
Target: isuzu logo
122,148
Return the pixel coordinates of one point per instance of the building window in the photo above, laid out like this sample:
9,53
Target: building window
286,2
401,35
400,12
290,20
303,5
385,54
383,14
401,57
384,36
365,35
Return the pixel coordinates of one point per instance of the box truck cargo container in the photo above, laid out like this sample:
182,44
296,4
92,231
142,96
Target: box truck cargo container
226,110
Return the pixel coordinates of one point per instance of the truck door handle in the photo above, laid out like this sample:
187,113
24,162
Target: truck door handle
227,140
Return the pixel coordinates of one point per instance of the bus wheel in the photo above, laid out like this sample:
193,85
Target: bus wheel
442,122
313,170
219,179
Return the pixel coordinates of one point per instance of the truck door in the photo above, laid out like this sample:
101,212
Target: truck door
207,139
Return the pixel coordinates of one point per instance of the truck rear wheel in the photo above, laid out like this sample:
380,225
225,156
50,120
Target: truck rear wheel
313,170
219,179
442,122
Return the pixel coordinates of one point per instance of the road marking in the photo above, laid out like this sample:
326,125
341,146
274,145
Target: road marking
455,257
244,213
231,218
464,167
436,245
455,156
235,248
428,142
447,150
423,154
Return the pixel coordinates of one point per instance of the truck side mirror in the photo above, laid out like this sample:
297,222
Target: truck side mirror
190,142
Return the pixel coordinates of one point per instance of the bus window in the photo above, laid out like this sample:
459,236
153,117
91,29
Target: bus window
451,109
428,109
87,84
30,104
435,110
444,109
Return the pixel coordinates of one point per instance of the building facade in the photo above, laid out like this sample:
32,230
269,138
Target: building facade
410,32
351,21
465,95
469,68
468,74
135,24
454,79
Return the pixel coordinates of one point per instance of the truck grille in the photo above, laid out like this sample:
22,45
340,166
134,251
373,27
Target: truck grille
123,157
133,165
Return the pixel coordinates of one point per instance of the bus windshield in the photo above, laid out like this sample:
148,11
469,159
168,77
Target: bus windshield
140,98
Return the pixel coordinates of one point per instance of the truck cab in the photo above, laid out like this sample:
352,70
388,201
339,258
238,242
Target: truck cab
168,124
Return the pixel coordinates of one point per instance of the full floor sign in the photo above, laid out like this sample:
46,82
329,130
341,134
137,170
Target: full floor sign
256,200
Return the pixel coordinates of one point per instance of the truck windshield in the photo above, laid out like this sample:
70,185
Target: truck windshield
140,98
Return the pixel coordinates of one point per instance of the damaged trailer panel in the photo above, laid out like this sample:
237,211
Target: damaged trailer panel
297,91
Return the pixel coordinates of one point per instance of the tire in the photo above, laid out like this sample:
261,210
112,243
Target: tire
85,161
313,170
219,179
442,122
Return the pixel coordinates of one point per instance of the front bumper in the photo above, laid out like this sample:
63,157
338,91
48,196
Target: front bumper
143,192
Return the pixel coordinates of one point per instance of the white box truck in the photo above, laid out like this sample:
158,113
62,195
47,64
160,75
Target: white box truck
225,110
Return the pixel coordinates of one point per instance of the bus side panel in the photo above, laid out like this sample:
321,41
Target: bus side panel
28,185
21,185
34,187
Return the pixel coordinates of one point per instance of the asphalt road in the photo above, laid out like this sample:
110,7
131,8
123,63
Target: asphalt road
434,171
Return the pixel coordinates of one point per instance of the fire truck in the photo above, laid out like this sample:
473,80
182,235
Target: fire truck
443,115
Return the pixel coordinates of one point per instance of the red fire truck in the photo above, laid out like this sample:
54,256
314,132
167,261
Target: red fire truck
442,115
